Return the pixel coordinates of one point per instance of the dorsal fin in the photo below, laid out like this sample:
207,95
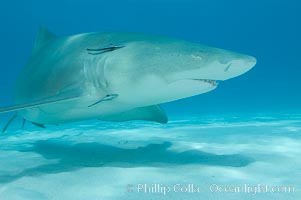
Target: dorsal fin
44,36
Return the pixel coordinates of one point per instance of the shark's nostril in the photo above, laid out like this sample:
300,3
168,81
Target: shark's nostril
228,67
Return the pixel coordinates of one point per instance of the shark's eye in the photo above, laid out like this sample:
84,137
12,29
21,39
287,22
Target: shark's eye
224,60
197,57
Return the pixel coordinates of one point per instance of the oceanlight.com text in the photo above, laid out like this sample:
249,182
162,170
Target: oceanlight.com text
165,189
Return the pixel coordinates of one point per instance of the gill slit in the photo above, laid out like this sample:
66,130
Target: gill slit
94,70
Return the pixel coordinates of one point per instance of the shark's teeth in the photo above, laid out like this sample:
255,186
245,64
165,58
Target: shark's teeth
212,82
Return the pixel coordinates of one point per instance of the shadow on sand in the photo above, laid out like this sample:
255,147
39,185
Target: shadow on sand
73,157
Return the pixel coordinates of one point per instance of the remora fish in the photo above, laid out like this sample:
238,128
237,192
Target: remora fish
116,76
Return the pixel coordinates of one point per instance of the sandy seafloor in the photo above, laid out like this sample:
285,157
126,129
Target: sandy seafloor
100,161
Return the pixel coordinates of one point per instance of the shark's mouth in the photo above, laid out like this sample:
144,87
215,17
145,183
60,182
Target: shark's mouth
198,82
208,81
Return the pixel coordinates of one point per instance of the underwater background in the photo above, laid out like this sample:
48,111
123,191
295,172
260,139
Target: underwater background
247,131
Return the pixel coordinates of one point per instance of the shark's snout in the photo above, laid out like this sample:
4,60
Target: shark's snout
237,67
214,70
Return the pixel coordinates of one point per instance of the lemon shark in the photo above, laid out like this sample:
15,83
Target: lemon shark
116,76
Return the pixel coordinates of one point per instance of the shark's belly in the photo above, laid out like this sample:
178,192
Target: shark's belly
72,111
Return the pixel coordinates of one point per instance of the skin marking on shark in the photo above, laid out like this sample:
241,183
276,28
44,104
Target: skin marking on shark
117,76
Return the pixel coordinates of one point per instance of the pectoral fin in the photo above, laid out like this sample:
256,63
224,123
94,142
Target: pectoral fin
41,102
150,113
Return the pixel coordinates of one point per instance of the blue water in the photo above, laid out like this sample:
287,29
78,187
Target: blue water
267,30
247,131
